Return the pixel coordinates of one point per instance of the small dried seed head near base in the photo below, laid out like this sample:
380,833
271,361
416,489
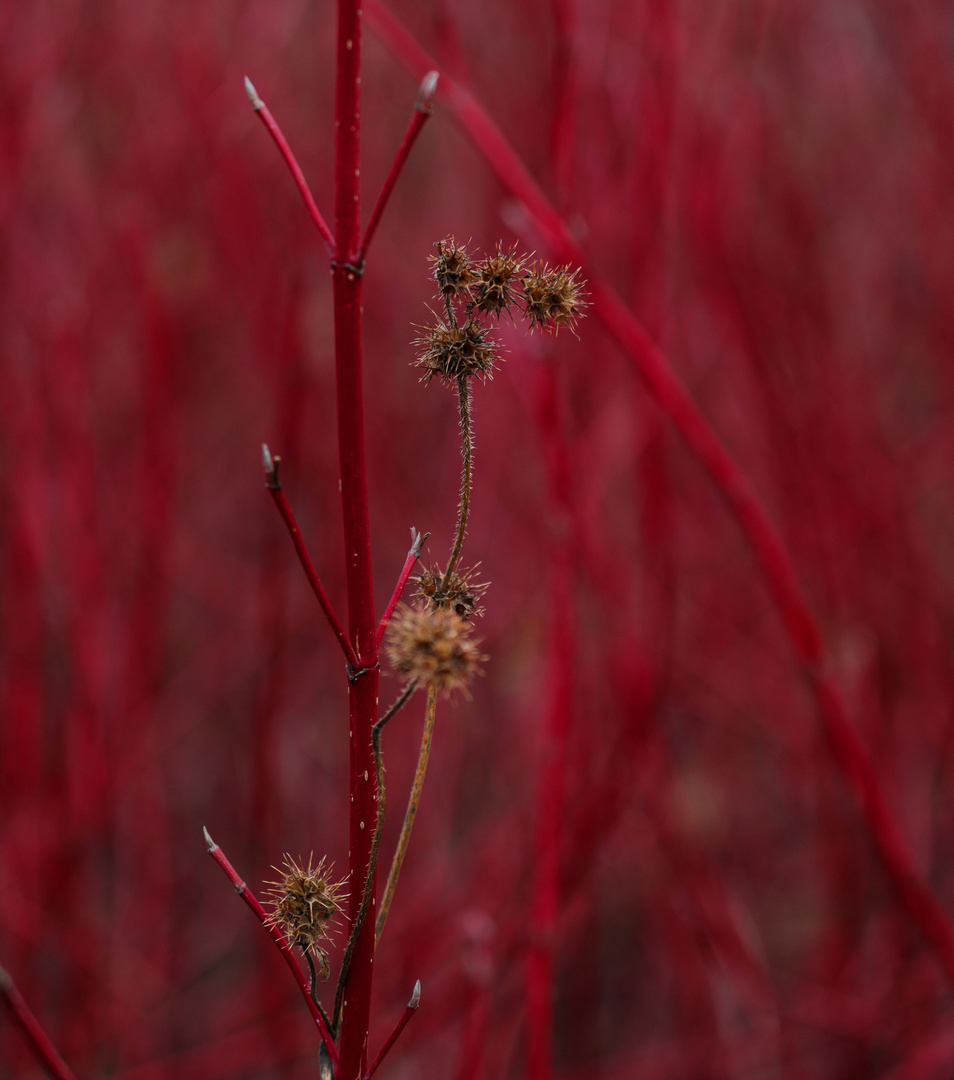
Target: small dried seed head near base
553,298
433,645
453,270
452,351
461,592
304,904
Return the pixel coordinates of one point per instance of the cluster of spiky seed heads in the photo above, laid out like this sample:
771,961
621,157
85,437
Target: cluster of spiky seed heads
305,902
459,345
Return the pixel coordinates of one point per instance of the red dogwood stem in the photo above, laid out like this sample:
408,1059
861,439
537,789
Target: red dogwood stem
363,696
278,937
43,1050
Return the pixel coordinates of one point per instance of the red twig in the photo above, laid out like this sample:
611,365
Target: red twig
277,493
279,938
363,685
848,752
410,1009
420,116
417,542
21,1015
286,151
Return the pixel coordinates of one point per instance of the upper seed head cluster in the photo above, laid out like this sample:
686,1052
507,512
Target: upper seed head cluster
460,346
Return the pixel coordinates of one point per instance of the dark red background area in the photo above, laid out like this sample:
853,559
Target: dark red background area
769,187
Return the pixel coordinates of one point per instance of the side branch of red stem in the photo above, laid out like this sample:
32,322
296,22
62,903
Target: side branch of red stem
279,938
277,493
291,161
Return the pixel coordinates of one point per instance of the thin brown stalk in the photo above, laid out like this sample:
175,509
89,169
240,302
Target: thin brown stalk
375,845
398,861
467,453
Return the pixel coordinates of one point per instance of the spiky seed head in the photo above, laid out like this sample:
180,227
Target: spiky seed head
461,592
305,902
496,274
433,645
453,270
553,298
452,351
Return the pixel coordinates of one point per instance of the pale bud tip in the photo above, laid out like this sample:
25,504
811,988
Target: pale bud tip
253,97
425,96
268,462
210,843
416,996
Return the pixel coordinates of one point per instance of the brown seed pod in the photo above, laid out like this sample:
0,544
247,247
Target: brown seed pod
453,270
305,902
452,351
495,276
433,645
462,592
553,298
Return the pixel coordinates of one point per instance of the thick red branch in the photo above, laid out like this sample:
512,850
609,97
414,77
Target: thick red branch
363,696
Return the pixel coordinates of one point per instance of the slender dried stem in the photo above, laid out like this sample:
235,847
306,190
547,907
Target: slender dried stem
375,846
420,116
280,940
398,861
467,452
39,1042
417,543
277,493
276,133
410,1009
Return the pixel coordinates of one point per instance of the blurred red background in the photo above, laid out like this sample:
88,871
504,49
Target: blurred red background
770,189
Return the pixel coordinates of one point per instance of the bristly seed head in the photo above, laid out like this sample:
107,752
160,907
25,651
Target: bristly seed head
433,645
452,351
553,298
305,902
453,270
462,592
495,275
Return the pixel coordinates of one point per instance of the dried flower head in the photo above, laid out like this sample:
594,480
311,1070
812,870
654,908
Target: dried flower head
453,270
304,904
496,275
461,592
433,645
553,298
452,351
